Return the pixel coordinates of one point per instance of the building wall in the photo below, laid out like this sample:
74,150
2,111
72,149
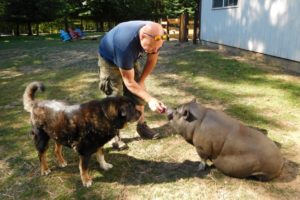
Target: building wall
266,26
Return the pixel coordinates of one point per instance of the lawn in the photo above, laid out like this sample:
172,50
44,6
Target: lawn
249,89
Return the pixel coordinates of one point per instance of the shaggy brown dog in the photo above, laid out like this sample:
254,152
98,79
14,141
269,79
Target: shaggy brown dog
84,127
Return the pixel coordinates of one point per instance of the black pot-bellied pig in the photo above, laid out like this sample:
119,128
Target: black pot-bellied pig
235,149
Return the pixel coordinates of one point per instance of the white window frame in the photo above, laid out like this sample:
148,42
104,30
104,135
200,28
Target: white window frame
223,5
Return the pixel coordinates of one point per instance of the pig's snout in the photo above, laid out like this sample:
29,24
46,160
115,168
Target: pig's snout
169,114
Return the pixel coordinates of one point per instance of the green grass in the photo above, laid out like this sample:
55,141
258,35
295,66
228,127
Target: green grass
155,169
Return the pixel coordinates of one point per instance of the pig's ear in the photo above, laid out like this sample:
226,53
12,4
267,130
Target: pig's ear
186,114
191,112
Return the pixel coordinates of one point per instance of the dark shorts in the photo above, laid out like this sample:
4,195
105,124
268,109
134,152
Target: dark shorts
111,82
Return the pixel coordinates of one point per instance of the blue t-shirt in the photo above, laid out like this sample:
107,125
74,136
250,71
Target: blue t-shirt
121,45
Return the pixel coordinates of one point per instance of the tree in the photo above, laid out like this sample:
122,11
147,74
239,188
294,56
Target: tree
31,11
73,9
173,8
116,11
2,4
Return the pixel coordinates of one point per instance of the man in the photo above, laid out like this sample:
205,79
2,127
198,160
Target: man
120,70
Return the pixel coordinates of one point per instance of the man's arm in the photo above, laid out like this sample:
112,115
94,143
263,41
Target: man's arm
132,85
138,89
149,66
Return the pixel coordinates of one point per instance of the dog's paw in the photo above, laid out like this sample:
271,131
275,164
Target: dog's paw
201,166
87,183
45,172
106,166
120,145
63,164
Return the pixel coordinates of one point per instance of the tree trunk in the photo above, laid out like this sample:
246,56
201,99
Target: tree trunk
110,25
81,23
66,23
183,32
97,26
168,29
29,28
101,26
17,32
37,29
196,23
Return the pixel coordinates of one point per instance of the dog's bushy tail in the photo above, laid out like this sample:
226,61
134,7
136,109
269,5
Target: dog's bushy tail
28,96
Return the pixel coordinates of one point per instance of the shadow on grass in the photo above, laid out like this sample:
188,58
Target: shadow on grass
134,171
25,177
289,172
191,64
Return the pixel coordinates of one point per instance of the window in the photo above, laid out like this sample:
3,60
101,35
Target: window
224,3
217,3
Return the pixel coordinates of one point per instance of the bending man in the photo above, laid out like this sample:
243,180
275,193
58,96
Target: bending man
120,70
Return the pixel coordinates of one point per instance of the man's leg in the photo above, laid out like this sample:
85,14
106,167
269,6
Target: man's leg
112,85
142,128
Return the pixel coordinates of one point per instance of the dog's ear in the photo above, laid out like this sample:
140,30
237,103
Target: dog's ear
109,110
194,100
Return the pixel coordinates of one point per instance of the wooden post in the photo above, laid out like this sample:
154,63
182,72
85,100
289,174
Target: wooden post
183,32
168,29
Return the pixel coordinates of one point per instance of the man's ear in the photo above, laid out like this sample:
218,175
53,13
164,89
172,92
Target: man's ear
143,36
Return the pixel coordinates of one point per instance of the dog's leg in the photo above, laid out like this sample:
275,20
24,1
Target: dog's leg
41,140
119,144
44,165
83,167
60,159
100,157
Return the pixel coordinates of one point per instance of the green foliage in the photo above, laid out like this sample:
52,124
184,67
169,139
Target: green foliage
174,8
72,8
20,11
1,8
117,11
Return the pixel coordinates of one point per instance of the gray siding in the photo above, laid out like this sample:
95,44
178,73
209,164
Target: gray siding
266,26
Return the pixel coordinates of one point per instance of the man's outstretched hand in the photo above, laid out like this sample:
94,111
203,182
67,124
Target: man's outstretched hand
157,106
